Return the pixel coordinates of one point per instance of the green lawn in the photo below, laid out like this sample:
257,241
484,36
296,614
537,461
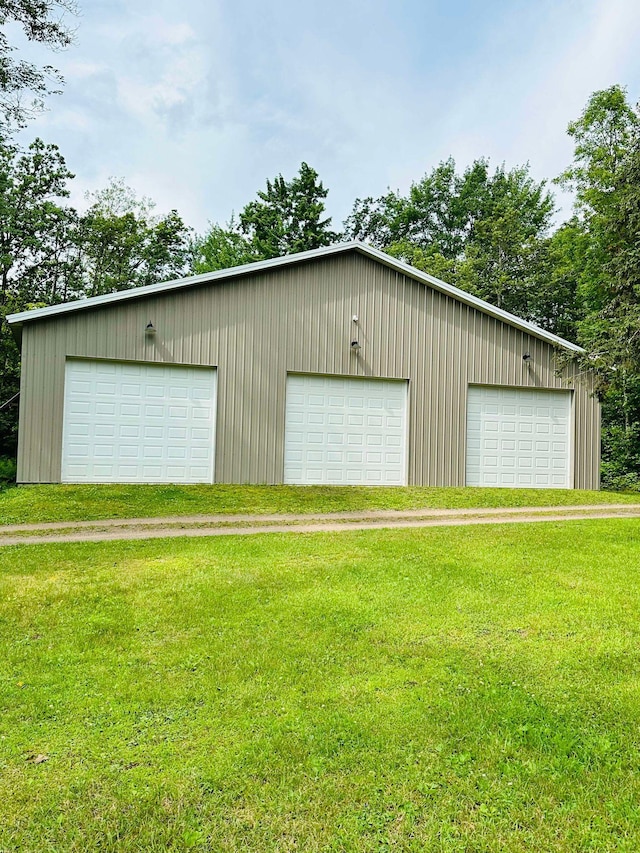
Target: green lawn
472,689
72,503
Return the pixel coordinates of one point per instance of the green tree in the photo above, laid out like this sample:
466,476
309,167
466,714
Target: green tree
24,85
288,216
122,244
482,231
605,176
602,138
612,333
38,264
435,216
221,248
504,248
556,296
34,224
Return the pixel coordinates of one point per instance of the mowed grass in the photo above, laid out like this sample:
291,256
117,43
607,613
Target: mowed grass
72,503
471,689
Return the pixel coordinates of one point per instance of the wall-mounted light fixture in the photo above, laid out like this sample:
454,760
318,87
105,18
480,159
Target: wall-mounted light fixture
150,329
526,357
355,345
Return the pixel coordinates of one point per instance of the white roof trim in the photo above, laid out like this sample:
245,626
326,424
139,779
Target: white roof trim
260,266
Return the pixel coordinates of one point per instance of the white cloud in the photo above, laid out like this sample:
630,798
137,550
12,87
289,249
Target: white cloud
579,51
195,105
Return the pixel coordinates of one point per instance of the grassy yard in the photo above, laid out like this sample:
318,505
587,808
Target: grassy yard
72,503
471,689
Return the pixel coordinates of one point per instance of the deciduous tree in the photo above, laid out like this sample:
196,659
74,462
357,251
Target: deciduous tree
482,231
220,248
605,175
23,84
123,244
37,262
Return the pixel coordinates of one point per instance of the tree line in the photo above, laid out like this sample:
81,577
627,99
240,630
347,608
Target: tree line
490,231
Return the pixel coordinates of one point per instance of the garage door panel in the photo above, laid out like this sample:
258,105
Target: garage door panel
336,428
514,437
146,424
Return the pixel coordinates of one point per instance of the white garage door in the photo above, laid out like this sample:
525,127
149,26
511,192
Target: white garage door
518,437
345,431
138,423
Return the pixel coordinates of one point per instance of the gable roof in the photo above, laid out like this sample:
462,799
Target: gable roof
18,319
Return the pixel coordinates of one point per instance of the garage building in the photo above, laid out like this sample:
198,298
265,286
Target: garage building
338,366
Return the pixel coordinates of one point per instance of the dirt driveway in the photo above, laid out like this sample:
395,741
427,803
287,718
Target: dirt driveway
244,525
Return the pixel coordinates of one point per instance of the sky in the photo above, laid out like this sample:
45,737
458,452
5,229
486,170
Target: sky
195,104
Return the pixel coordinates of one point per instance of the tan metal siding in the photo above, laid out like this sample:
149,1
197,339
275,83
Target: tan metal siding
299,319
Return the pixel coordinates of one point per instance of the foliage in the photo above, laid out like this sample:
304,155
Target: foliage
221,248
378,690
606,178
36,266
556,296
628,482
620,449
43,22
602,136
436,216
287,217
7,472
503,250
122,244
33,224
481,231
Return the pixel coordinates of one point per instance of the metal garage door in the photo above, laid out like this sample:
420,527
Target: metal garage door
138,423
518,437
345,431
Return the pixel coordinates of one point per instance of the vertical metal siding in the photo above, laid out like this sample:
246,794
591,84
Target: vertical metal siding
299,319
